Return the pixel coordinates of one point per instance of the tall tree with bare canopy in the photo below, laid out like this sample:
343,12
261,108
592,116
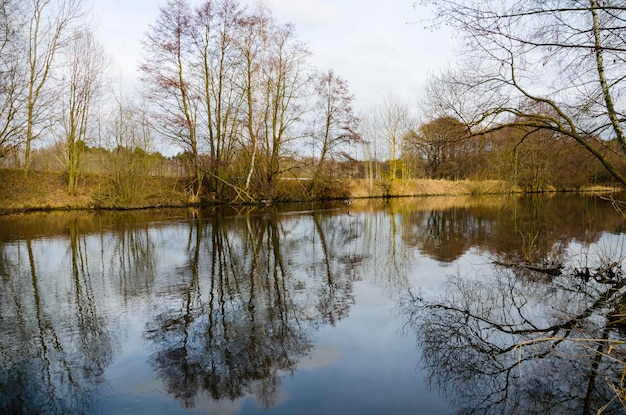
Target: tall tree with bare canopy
82,81
335,123
11,77
167,71
555,65
50,26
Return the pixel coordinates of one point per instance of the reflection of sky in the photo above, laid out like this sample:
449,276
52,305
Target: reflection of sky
610,247
369,361
361,363
364,363
132,385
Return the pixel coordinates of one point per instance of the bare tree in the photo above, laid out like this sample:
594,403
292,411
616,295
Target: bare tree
273,81
132,141
552,65
11,77
252,47
395,123
436,143
285,79
167,71
337,124
82,82
215,27
369,133
49,25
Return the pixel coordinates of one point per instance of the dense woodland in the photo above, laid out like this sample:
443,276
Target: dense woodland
234,93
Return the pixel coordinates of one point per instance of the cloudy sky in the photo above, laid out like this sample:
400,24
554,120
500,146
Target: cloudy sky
380,47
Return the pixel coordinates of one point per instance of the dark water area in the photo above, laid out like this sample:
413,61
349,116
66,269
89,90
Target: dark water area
432,305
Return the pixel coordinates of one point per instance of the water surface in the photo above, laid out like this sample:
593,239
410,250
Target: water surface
402,306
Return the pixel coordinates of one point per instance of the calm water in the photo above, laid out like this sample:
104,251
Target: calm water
411,306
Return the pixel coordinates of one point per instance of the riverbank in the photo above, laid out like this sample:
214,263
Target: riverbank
48,191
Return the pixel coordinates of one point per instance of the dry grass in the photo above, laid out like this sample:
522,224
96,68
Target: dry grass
426,187
339,189
37,191
48,191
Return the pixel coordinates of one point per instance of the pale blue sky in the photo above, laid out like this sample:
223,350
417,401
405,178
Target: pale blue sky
380,47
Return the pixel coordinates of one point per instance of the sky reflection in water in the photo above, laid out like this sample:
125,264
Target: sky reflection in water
282,311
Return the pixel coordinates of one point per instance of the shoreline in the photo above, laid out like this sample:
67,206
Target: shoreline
45,192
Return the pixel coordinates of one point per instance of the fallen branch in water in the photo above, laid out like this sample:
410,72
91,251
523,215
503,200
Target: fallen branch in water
553,271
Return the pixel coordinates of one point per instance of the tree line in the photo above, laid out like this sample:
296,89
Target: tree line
545,71
233,90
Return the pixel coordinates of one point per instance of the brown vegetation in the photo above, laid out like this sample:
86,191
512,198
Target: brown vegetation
240,128
48,191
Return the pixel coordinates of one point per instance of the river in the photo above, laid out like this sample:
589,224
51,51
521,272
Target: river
405,306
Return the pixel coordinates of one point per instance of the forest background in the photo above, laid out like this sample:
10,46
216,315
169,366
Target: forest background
533,105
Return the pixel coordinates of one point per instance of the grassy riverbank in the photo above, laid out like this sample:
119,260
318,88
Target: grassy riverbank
48,191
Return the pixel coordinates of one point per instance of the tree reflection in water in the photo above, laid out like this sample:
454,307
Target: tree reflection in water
43,370
229,301
242,319
521,341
